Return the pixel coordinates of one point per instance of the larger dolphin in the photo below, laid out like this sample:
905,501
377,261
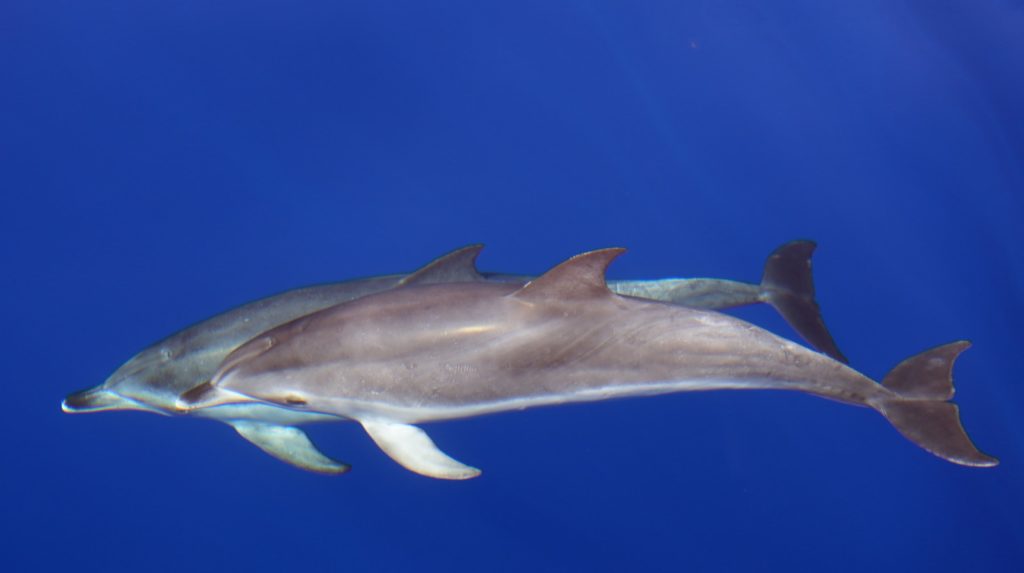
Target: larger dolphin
437,352
153,379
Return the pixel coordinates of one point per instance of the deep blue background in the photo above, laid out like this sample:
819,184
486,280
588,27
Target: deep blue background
163,161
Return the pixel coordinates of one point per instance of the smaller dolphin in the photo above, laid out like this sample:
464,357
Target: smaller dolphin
424,353
153,379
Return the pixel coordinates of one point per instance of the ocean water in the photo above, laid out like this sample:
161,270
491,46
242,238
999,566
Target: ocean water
161,162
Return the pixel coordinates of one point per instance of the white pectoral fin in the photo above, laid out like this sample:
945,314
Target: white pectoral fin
290,445
414,450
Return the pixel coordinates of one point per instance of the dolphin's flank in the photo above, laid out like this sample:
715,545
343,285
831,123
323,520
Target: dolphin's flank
421,353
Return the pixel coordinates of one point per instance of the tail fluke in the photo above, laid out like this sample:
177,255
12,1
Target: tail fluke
787,285
921,410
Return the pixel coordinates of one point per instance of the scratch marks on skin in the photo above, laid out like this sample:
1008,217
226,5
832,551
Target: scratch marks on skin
473,329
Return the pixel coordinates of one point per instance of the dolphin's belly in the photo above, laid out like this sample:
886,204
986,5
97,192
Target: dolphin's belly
427,410
262,412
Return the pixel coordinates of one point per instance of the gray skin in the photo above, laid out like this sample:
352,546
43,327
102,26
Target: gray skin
424,353
153,379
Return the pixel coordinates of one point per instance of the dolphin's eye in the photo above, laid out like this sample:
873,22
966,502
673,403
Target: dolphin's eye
294,400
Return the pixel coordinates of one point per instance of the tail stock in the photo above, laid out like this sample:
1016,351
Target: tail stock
787,285
921,411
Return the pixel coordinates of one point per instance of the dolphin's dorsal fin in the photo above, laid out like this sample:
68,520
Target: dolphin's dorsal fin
579,277
458,266
288,444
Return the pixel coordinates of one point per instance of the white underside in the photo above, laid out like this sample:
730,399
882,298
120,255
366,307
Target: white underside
263,412
390,425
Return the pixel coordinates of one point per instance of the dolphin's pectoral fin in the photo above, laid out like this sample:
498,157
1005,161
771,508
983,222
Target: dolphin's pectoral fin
290,445
415,451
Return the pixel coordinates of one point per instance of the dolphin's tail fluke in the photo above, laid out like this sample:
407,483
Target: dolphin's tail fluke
787,285
921,410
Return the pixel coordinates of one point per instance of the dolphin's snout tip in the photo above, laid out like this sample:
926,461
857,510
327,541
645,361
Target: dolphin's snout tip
95,400
84,401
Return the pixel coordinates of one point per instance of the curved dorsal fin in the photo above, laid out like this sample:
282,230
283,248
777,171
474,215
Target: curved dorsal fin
579,277
458,266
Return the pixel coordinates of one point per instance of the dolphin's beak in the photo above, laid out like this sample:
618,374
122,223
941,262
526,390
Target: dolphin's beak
93,400
100,399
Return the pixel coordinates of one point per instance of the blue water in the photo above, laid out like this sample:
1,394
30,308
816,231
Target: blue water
161,162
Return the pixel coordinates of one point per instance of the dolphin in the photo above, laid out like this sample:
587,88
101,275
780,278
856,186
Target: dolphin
153,379
424,353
